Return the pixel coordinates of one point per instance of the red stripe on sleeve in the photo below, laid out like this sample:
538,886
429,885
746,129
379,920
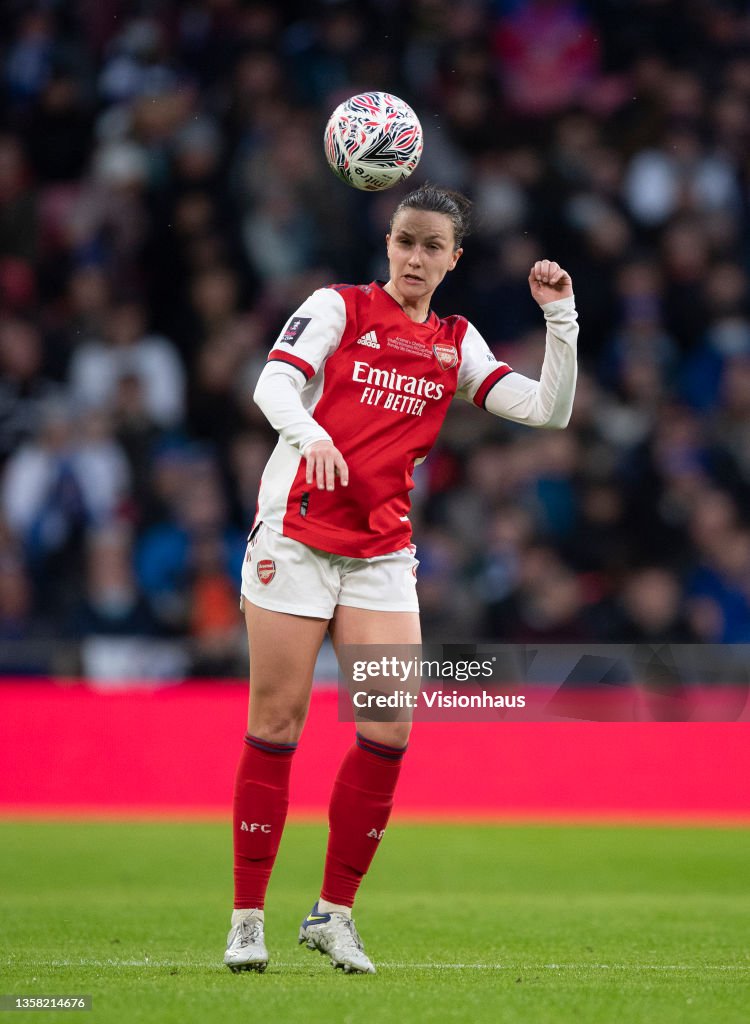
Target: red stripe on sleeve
295,361
489,382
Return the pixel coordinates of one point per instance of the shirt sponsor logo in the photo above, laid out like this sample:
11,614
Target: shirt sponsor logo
398,392
446,355
391,380
266,570
294,329
370,339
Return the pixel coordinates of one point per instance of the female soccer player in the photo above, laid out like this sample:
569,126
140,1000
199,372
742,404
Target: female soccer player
357,385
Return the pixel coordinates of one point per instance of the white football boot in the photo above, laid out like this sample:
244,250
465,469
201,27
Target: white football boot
246,947
335,936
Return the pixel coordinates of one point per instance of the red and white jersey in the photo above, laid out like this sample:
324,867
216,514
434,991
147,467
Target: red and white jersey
352,368
379,385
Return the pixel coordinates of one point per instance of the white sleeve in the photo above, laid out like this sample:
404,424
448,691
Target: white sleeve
309,337
547,402
479,367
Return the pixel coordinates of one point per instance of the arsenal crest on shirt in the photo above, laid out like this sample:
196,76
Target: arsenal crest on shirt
446,355
266,570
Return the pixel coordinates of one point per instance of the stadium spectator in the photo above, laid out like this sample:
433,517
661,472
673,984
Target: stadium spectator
70,474
18,202
128,350
217,638
546,606
26,648
196,517
653,609
547,56
24,388
110,604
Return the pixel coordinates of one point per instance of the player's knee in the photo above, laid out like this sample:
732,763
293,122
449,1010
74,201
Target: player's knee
393,734
278,727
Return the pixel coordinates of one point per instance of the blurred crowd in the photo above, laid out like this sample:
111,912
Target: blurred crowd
165,205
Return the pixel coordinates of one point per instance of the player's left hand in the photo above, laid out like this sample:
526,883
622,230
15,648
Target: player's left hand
548,281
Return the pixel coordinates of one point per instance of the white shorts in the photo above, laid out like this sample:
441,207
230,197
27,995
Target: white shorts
284,575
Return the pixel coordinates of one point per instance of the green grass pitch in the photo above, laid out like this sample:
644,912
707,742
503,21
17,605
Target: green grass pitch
471,923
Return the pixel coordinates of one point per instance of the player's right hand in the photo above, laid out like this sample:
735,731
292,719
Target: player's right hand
324,463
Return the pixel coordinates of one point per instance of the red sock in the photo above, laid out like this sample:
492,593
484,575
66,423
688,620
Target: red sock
361,804
261,800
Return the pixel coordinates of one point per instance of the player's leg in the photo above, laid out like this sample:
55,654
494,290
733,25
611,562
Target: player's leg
283,649
289,594
364,789
361,799
362,626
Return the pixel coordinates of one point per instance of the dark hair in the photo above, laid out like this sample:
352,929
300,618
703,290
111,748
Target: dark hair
435,199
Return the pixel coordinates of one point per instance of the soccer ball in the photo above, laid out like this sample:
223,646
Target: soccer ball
372,141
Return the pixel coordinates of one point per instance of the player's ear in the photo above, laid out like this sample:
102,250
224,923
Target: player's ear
457,254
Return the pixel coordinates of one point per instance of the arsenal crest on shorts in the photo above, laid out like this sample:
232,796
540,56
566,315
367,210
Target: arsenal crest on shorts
446,355
266,570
